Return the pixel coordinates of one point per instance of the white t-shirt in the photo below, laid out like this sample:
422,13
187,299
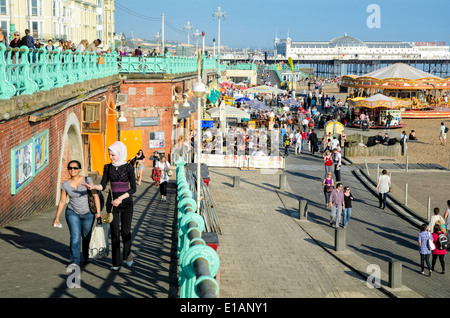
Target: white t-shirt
163,166
334,143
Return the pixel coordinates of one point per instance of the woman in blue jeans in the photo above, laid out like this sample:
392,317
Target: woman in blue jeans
348,198
78,215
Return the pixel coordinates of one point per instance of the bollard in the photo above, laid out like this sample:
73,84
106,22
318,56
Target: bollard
406,194
339,239
429,210
407,163
282,182
367,167
236,182
378,171
395,274
302,212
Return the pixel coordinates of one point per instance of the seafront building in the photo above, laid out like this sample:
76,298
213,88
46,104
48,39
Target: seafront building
70,20
347,47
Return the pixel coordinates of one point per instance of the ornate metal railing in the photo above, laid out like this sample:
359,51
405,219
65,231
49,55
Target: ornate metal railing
198,262
25,72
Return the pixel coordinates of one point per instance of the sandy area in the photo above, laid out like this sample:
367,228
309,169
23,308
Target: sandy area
428,149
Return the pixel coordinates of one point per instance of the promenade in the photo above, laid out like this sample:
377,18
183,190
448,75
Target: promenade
265,251
35,256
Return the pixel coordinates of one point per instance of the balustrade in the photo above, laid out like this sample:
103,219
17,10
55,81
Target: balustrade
25,72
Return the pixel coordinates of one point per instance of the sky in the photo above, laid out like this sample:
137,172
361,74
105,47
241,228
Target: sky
254,24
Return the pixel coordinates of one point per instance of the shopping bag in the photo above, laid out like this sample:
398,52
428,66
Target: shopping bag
98,246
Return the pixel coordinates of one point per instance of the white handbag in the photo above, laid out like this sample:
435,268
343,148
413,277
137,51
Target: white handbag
98,246
431,245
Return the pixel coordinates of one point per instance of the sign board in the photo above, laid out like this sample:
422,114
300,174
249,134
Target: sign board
156,139
146,121
213,96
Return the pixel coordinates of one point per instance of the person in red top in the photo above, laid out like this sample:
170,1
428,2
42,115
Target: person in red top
438,252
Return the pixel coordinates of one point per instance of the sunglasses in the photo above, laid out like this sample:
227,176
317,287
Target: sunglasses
73,168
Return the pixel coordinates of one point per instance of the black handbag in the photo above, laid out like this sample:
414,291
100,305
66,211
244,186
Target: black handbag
91,200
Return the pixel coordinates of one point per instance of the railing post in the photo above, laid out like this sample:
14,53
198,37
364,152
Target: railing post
7,89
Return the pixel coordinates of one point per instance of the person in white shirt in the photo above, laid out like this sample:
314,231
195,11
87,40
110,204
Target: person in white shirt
334,143
298,142
164,166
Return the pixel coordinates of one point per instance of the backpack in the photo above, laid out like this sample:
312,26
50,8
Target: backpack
446,129
442,242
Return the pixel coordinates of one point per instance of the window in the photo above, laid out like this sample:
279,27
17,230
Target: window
34,7
4,26
3,7
35,29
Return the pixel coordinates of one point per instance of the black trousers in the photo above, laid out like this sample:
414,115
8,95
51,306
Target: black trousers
163,188
121,228
441,260
337,173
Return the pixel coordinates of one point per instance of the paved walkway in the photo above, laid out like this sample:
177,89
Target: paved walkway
35,255
264,252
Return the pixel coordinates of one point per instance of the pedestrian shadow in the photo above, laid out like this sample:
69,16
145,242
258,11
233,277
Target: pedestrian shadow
35,242
154,248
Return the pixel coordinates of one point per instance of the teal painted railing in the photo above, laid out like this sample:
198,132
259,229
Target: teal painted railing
168,65
242,66
198,262
25,72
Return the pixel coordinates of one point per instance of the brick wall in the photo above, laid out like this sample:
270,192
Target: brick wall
152,98
40,192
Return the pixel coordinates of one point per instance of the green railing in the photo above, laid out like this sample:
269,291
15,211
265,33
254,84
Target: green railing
167,65
242,66
25,72
198,262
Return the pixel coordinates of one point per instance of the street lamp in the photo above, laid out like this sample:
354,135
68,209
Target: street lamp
122,120
187,28
218,14
199,90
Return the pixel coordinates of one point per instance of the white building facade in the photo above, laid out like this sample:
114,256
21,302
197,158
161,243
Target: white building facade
350,48
73,20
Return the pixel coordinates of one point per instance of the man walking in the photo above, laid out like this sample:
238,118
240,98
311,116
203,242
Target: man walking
298,142
337,164
313,140
337,204
443,134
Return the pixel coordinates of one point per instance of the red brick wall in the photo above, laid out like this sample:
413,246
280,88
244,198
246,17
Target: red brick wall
40,192
159,103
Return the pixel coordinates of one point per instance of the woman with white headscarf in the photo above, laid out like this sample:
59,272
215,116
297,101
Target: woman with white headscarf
122,179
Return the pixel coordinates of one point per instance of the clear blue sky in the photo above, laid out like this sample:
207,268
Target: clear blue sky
252,24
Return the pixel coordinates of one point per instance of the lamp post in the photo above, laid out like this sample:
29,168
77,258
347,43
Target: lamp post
196,35
187,28
199,90
218,14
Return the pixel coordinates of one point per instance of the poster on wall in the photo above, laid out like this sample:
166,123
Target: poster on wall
28,159
22,165
40,151
156,139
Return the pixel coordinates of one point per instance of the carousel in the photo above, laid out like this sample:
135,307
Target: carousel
419,94
376,110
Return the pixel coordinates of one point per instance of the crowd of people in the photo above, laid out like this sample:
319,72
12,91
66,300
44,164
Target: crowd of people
18,40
